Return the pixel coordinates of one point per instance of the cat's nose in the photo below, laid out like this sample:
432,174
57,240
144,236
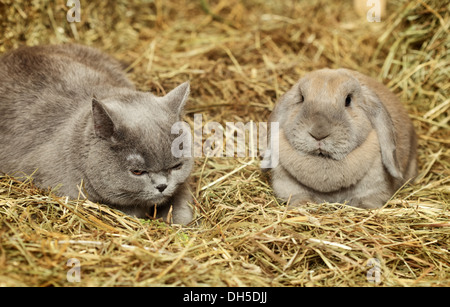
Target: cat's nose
161,187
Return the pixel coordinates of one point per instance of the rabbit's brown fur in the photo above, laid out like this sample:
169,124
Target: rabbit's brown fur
343,137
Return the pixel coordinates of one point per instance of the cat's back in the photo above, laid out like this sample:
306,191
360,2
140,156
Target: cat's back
49,83
45,89
50,66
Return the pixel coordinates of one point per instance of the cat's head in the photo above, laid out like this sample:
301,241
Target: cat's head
129,161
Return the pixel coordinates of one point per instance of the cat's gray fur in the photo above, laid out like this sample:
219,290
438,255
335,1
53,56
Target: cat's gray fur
68,113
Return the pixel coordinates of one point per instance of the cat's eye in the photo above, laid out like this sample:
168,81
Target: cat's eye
348,100
177,166
301,99
138,172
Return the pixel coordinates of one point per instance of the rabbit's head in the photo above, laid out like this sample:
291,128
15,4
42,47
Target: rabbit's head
329,113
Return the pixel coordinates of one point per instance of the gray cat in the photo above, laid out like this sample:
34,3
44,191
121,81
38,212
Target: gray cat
69,114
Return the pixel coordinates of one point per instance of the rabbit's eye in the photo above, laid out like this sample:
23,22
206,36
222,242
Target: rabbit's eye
348,100
177,166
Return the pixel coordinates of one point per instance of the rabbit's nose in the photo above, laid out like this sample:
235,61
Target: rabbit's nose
161,187
320,128
319,135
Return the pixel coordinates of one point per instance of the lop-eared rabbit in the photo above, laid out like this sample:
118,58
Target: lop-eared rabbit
343,137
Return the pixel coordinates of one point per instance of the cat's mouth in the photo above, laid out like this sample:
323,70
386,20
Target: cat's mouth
142,199
157,200
152,200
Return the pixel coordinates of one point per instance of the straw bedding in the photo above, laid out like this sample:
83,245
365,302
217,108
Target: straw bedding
240,56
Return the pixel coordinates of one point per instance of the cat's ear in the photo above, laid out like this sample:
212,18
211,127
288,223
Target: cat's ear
176,98
103,124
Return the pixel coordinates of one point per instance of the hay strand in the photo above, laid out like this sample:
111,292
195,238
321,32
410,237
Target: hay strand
241,57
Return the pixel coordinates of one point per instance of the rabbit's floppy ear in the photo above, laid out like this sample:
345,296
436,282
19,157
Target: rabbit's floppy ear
286,101
384,126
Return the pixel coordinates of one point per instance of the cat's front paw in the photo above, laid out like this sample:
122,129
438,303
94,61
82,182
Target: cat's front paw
178,210
182,214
